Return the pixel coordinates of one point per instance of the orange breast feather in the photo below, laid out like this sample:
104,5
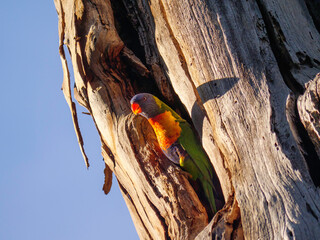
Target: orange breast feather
166,129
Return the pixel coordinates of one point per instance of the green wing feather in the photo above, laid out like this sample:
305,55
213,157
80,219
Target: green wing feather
191,144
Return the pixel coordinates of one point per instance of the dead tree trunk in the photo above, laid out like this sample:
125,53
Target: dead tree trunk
241,71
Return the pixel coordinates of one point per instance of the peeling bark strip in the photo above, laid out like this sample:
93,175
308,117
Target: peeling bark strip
228,66
107,179
66,83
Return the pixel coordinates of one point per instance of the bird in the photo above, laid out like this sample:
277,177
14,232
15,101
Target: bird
177,141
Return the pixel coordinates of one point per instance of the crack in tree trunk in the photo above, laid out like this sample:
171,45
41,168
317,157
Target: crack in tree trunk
277,43
286,65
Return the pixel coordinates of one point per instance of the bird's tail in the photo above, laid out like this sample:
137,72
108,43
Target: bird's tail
208,191
204,174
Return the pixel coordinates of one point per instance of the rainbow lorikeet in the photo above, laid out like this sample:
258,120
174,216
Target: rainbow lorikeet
177,141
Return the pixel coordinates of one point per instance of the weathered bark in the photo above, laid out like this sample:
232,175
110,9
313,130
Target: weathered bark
309,111
235,69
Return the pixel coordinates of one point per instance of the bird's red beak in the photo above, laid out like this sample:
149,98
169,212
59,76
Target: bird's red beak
136,108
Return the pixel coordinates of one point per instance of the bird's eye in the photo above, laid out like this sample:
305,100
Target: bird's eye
144,99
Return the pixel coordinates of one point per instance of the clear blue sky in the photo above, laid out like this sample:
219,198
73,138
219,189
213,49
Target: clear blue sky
45,190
